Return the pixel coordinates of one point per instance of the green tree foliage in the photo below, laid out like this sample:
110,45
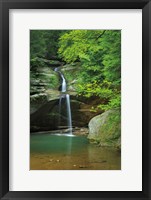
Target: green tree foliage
44,43
99,52
111,45
37,44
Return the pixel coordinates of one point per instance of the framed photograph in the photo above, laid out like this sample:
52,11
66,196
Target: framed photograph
75,99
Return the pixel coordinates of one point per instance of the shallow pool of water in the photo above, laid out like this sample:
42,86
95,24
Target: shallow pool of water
61,152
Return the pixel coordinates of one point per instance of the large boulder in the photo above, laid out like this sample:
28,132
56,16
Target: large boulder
105,129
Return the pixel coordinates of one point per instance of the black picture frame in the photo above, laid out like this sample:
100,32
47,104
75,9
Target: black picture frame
5,5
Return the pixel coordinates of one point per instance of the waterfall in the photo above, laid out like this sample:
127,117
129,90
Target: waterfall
63,83
69,113
64,97
59,120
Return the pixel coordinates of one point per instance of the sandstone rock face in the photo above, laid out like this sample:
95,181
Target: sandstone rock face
42,78
48,117
45,118
105,129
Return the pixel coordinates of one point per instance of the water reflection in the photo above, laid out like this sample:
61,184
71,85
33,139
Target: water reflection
68,152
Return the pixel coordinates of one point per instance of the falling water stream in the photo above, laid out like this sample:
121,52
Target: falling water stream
65,96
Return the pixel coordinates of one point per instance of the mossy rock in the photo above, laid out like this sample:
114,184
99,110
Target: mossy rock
44,77
44,62
105,129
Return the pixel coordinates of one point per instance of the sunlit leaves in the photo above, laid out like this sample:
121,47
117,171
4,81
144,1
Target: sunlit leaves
99,52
